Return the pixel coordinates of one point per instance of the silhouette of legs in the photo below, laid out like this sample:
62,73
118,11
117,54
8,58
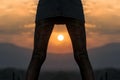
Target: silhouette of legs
41,37
77,34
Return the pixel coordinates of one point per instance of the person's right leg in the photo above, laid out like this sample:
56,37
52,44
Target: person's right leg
43,31
78,37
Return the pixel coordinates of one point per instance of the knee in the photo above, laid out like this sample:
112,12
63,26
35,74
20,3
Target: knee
40,55
80,55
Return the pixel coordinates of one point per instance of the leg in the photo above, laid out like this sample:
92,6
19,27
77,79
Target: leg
41,38
78,37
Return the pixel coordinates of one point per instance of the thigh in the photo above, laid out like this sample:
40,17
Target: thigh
42,34
77,34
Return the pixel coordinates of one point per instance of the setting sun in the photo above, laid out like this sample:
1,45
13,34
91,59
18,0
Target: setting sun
60,37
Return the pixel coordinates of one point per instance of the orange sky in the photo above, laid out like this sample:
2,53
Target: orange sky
17,24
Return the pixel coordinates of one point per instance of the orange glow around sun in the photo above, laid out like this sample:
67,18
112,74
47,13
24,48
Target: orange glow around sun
59,42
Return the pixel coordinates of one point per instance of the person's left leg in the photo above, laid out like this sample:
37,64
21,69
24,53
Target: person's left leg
43,31
77,34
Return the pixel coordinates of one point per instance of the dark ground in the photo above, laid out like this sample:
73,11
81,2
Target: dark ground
17,74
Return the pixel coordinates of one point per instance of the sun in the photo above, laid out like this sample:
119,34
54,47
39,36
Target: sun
60,37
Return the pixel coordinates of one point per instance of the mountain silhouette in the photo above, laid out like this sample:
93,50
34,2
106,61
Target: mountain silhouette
14,56
19,57
106,56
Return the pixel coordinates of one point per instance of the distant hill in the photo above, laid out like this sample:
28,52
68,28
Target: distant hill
14,56
18,57
106,56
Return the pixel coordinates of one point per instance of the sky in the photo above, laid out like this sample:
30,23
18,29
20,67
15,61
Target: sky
17,24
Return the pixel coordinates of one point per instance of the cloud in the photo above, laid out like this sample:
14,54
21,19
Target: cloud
104,15
102,22
17,22
15,15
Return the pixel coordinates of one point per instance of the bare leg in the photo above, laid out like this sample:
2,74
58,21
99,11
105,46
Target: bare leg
41,38
77,34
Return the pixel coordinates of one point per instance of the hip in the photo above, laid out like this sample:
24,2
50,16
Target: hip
60,20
